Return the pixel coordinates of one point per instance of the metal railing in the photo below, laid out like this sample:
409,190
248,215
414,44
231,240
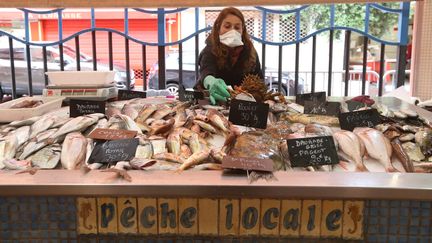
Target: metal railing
161,44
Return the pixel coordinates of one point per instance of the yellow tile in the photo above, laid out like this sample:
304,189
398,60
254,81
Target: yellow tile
148,216
270,215
290,218
310,218
188,216
127,212
331,218
249,216
87,215
167,216
229,210
353,220
107,212
208,216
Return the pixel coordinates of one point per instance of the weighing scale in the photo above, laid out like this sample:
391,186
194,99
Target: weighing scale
96,93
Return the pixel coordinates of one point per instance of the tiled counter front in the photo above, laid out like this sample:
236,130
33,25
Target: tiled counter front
136,219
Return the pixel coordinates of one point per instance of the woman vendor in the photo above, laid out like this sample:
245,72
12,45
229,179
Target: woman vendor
228,57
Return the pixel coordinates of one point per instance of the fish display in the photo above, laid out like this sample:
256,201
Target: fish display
179,136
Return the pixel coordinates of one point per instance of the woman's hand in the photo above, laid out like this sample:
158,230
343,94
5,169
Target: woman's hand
217,88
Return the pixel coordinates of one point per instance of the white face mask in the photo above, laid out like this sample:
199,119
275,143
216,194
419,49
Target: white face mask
231,38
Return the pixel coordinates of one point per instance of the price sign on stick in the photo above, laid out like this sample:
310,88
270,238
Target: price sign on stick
190,94
318,97
84,107
114,151
247,113
364,118
312,151
246,163
322,108
130,94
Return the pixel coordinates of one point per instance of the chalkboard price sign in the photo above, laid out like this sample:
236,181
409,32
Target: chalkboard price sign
312,151
355,105
247,113
246,163
130,94
318,97
84,107
363,118
114,151
190,94
322,108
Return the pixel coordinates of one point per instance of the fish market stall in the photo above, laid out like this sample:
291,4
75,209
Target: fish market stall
159,168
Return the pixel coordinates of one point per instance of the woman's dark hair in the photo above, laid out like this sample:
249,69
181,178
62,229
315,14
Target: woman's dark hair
221,51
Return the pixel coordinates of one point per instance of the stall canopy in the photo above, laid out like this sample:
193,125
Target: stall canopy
164,3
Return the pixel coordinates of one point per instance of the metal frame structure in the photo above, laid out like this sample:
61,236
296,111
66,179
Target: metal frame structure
403,13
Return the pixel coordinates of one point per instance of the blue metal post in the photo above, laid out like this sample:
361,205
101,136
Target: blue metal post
92,21
366,21
161,46
403,41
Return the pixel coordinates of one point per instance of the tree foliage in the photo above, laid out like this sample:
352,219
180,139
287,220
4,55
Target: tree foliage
351,15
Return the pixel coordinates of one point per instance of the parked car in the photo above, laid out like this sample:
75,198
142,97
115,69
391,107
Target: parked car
53,63
189,79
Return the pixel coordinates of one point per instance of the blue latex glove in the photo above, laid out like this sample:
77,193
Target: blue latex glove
217,88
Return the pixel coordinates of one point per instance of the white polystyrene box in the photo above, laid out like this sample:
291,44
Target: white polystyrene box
81,78
49,104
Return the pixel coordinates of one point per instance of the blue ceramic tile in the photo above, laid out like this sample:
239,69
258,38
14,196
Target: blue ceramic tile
16,234
63,234
426,222
413,230
384,211
415,221
415,204
374,203
13,208
25,234
425,204
404,212
384,203
382,230
34,233
72,234
393,230
415,211
53,234
425,212
403,230
403,239
403,220
405,203
5,226
394,211
413,238
425,230
394,220
52,207
35,225
43,207
63,225
44,234
373,221
45,241
393,238
52,217
373,211
64,241
395,203
4,217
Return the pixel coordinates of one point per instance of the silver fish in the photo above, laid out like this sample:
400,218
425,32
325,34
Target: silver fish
131,110
194,159
377,146
205,126
41,125
73,150
22,134
130,124
8,148
144,151
141,164
350,144
25,122
47,158
13,164
77,124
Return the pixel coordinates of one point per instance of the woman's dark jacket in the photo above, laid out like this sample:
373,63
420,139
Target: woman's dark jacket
231,74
